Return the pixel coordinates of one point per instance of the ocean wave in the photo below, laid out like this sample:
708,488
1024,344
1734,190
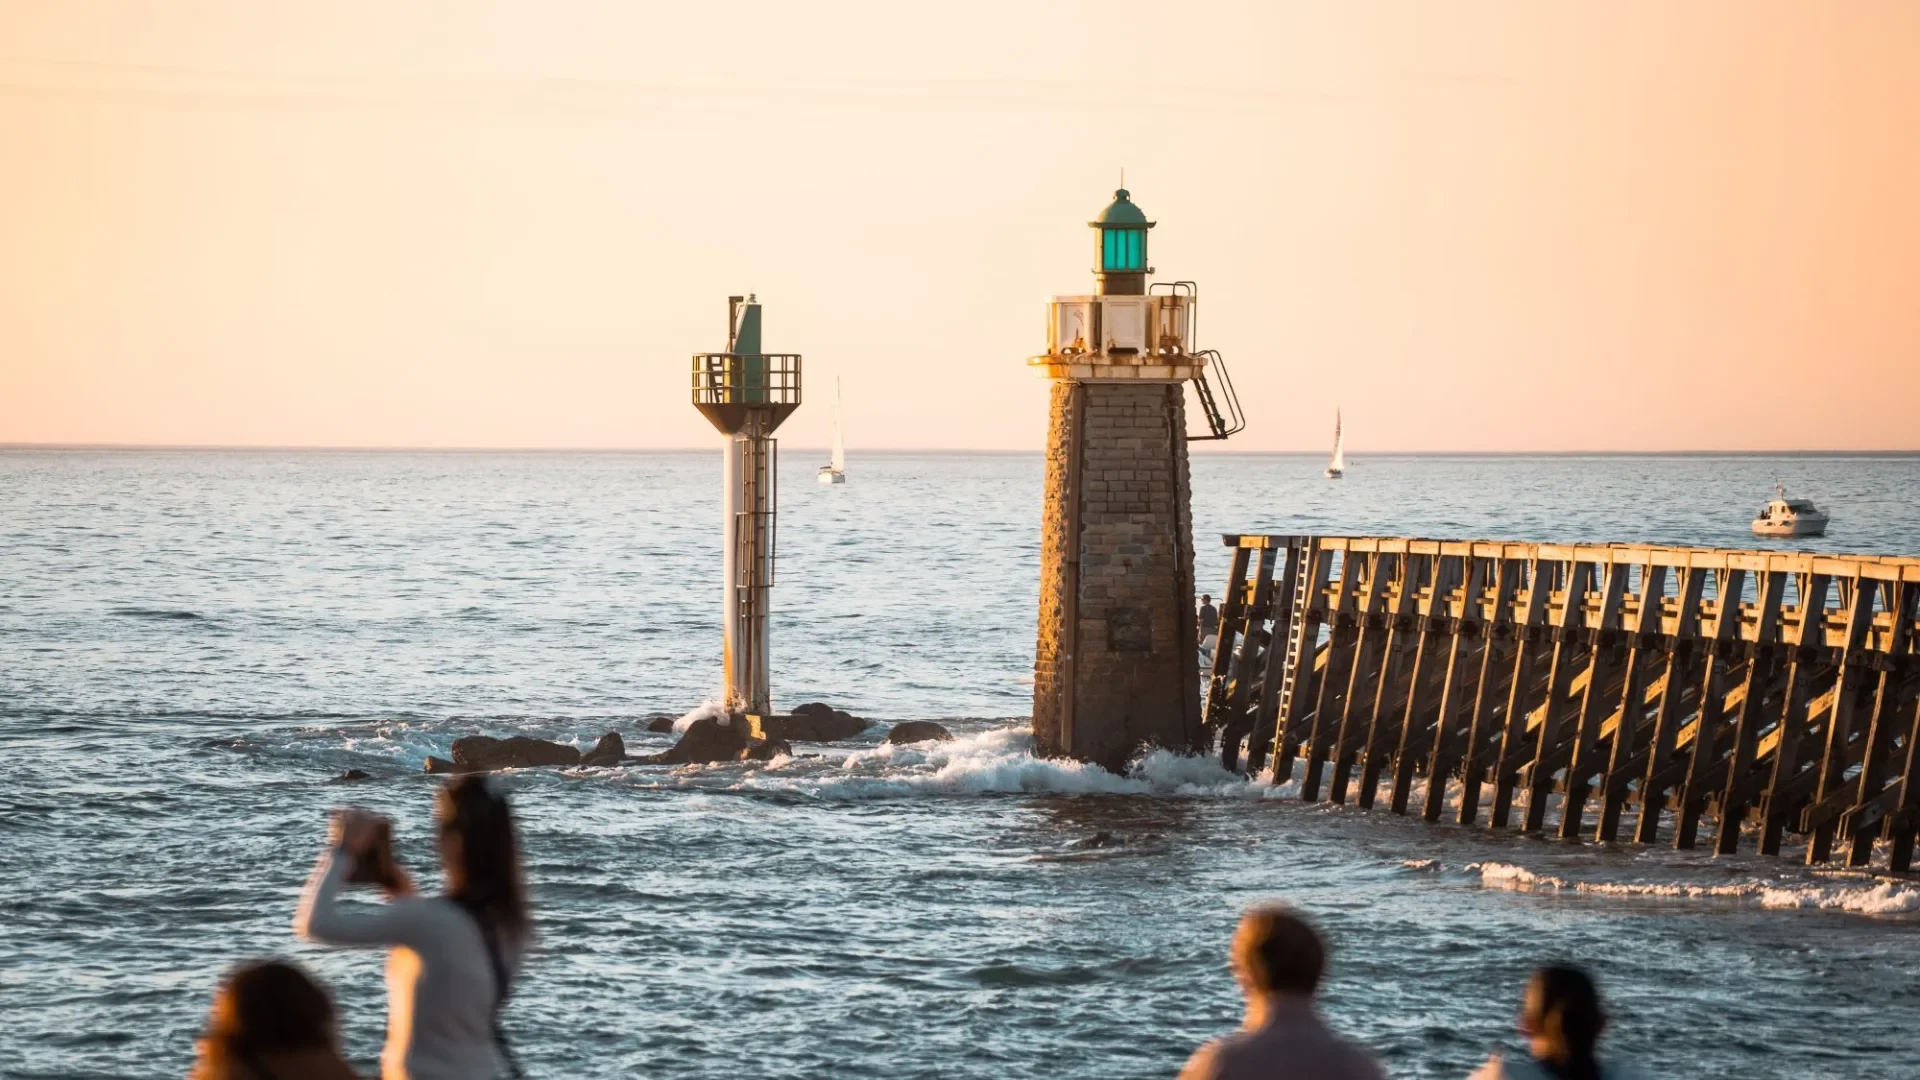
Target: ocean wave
154,613
709,707
1879,898
995,761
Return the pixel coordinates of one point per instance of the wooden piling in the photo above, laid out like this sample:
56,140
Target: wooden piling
1566,674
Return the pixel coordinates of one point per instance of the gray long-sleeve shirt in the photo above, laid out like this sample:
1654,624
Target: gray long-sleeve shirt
440,984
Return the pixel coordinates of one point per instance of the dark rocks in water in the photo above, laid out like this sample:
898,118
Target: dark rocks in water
713,739
351,776
610,750
483,753
661,725
814,722
913,731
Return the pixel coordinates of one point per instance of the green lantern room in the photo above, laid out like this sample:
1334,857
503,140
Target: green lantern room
1122,250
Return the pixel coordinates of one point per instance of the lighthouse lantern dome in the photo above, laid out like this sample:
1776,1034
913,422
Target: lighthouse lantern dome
1122,249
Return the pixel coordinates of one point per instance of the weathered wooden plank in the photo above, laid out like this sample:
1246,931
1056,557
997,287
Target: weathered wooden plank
1336,681
1233,725
1903,820
1606,652
1223,650
1534,634
1691,799
1384,590
1629,732
1681,666
1498,662
1301,687
1436,669
1285,625
1889,697
1803,672
1570,655
1839,723
1425,685
1404,635
1457,685
1754,710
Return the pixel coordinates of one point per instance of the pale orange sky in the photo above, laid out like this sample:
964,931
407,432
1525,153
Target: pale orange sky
1504,225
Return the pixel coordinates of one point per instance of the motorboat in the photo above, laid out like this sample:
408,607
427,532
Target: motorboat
835,470
1337,466
1790,517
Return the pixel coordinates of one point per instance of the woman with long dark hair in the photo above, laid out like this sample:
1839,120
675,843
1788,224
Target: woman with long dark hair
270,1021
1562,1020
453,956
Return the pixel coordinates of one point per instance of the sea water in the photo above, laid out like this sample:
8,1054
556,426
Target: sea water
193,643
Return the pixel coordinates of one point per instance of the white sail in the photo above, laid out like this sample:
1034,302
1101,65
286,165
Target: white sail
1339,462
839,460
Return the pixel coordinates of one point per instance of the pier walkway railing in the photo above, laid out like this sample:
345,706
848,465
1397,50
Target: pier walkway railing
1568,684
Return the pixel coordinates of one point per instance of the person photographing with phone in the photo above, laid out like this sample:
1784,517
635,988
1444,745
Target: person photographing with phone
453,956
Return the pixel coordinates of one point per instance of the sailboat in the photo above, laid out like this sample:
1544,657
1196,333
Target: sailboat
835,470
1338,466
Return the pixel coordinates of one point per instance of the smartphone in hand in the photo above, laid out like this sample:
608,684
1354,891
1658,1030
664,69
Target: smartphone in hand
373,861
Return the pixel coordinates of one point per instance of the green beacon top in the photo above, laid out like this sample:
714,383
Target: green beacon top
1123,236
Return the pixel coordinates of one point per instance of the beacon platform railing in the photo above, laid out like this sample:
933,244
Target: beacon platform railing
741,392
746,379
1772,692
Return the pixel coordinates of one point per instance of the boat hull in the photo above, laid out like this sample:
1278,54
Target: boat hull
1804,525
828,476
1335,474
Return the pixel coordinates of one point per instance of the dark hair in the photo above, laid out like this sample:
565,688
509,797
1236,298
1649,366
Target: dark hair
1280,951
265,1007
1567,1015
484,877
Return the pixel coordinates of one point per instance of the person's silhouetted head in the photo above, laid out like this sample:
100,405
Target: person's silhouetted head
480,851
266,1009
1276,953
1562,1020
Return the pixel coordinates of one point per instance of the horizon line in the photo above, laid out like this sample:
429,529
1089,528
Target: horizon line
953,450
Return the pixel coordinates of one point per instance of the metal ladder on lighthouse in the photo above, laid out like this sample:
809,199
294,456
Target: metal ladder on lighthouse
1221,406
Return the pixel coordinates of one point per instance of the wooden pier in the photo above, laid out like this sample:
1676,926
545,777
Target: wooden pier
1558,686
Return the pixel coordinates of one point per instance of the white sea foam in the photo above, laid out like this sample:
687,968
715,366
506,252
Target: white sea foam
1881,898
1886,898
995,761
709,707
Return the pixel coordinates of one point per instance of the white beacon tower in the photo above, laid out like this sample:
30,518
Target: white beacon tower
746,394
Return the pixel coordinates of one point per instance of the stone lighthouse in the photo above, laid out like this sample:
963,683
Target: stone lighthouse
1116,668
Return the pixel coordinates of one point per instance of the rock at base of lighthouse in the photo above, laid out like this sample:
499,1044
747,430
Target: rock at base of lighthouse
483,753
814,722
610,750
913,731
714,739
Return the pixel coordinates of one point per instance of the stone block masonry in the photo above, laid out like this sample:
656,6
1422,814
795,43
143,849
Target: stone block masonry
1116,664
